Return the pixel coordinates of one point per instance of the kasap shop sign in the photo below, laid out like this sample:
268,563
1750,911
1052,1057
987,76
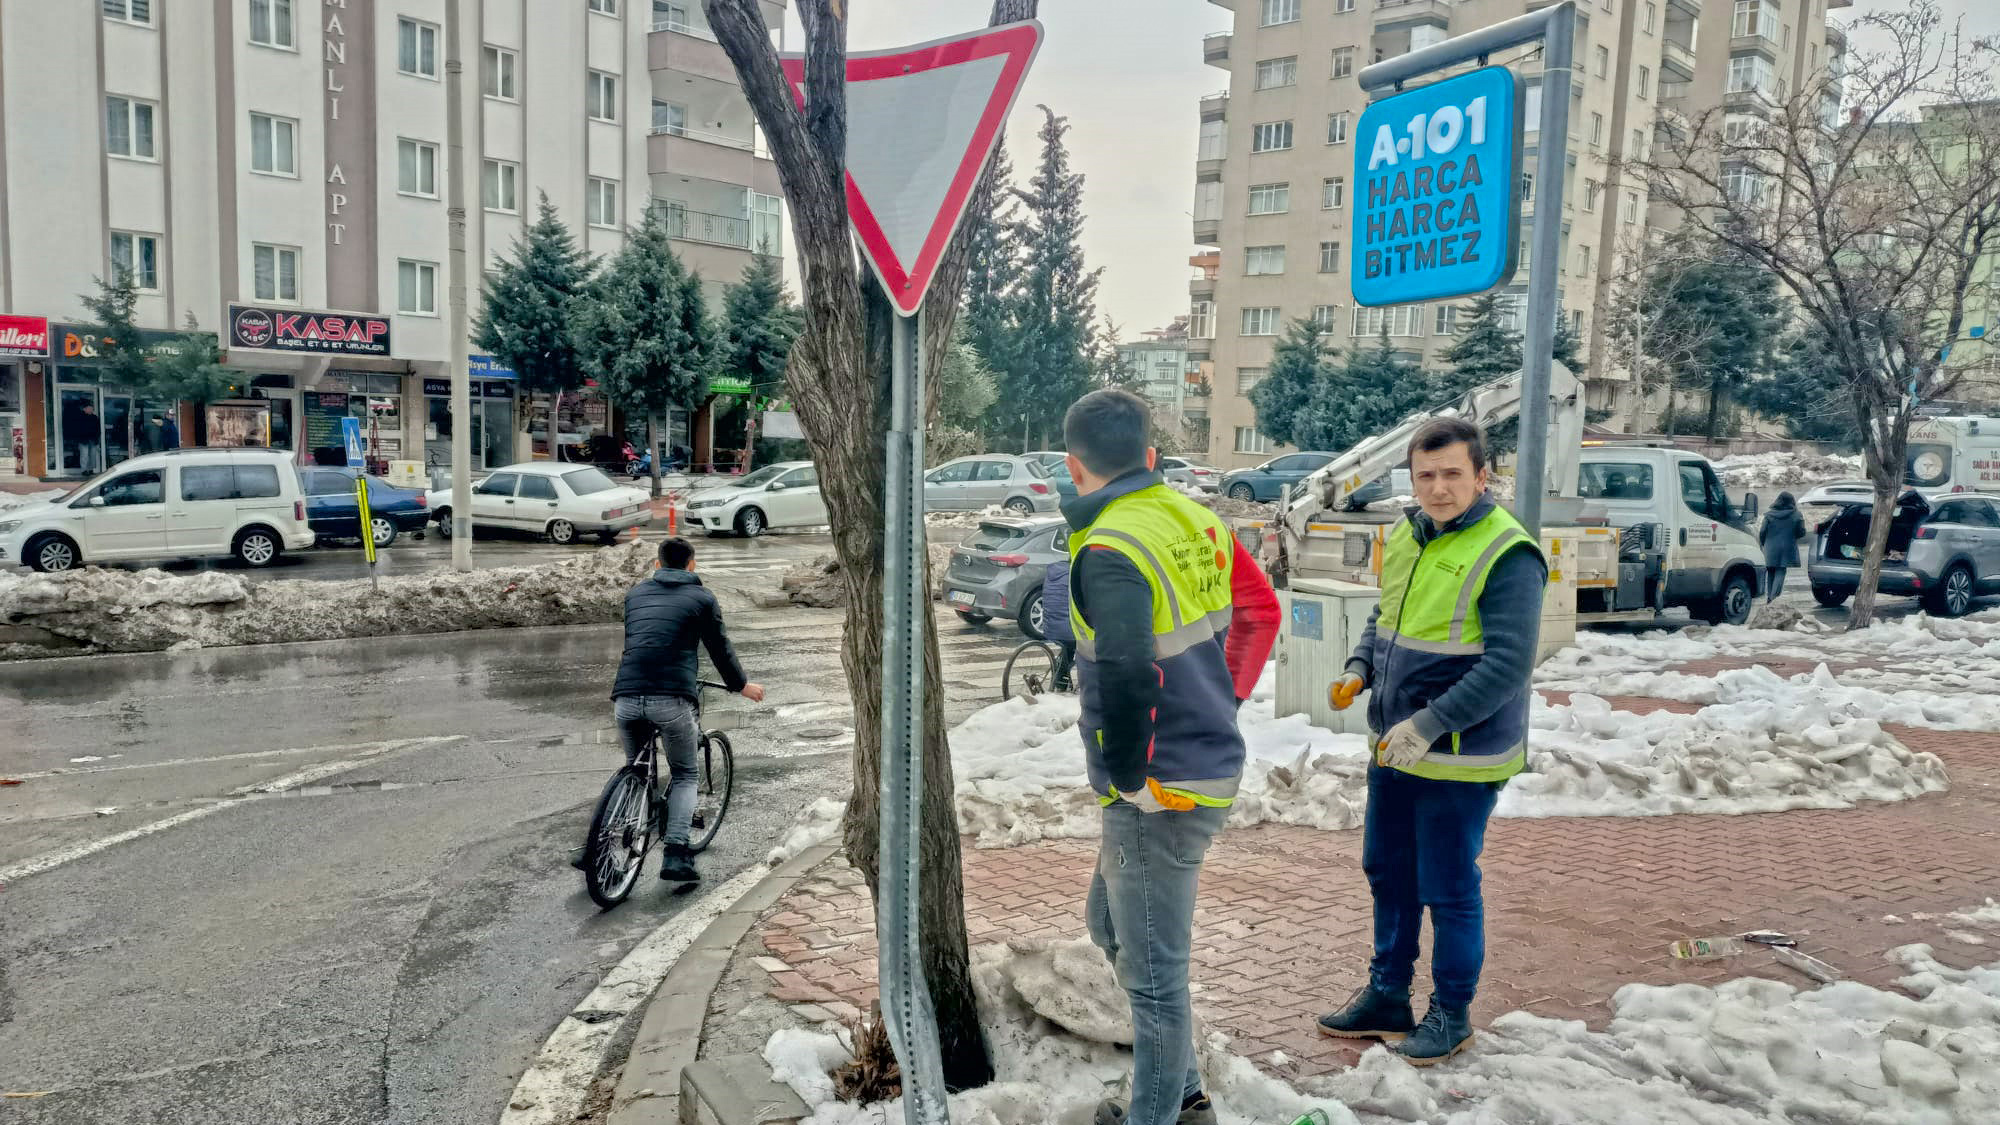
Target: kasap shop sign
1438,200
320,333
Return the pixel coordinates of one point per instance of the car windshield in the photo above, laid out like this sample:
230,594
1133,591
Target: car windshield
993,536
763,476
583,482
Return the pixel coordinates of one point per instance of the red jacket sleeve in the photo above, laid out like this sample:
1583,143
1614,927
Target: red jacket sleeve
1253,628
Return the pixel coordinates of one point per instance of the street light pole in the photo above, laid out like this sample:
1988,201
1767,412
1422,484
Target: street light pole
461,377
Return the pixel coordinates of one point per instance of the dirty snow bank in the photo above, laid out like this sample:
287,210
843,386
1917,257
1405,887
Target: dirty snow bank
148,610
1747,1052
1020,775
822,583
1785,469
967,521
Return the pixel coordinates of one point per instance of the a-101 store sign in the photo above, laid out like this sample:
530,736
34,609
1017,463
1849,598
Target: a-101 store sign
258,328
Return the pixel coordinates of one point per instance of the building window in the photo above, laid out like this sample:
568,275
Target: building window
1260,321
1596,129
1630,213
601,96
1271,136
1755,17
1638,149
128,128
1333,193
1742,184
1273,74
1446,323
1750,73
1603,61
1397,320
271,23
1270,199
1343,6
416,48
500,65
1201,320
1652,16
1343,62
416,287
136,257
670,118
274,272
1591,188
1336,128
1248,440
605,7
766,231
1247,379
497,182
1527,187
129,11
1263,260
1585,258
1280,11
273,145
1645,81
601,203
1325,316
1329,257
416,168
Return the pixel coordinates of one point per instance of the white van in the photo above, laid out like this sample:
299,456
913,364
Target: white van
181,504
1953,453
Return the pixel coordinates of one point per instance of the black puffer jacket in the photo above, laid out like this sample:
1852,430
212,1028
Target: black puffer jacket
666,616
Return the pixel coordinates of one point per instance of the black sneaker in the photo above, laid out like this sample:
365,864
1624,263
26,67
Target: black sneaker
677,866
1370,1015
1444,1033
1196,1110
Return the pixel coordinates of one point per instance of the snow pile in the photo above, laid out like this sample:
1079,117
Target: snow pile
149,610
1747,1052
822,583
1920,704
966,521
816,825
15,501
1786,469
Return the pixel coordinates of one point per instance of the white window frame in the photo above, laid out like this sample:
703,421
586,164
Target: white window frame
1596,129
1591,190
1333,193
1276,74
601,96
277,254
1270,199
1342,7
1263,261
1445,321
1645,81
1338,127
1329,257
497,175
1603,55
600,203
1276,12
278,25
1750,17
135,242
1756,68
1248,440
1247,379
120,11
604,7
1325,316
500,73
1343,62
671,127
418,34
132,109
1266,136
276,125
1201,320
1652,16
416,270
426,167
1405,321
1259,320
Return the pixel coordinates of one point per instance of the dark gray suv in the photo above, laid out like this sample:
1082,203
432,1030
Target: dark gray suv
997,570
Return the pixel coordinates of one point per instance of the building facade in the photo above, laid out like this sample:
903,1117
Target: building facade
1159,362
1274,168
276,171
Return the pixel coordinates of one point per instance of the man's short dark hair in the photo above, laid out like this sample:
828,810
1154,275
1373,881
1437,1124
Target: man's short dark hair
1441,433
1109,431
676,553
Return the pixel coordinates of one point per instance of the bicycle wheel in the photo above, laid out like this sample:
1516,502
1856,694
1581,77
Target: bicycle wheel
711,799
1031,670
621,832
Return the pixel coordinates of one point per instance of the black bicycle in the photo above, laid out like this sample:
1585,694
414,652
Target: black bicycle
1034,669
631,814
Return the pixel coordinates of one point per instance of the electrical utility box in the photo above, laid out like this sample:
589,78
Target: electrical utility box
1324,619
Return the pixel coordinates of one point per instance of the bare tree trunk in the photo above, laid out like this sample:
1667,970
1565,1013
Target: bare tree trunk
653,431
1886,444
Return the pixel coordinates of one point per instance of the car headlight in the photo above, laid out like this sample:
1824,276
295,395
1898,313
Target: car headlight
697,505
7,527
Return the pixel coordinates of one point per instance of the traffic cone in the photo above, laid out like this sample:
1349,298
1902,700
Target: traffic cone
634,536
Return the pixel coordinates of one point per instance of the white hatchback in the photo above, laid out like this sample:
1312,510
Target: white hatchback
180,504
558,499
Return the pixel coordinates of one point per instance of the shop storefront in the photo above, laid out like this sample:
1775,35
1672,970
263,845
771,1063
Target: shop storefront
88,424
24,341
309,416
267,416
492,431
376,399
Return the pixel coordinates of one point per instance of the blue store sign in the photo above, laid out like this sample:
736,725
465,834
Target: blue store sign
1438,179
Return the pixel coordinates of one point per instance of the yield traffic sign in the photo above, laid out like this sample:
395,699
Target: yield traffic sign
921,122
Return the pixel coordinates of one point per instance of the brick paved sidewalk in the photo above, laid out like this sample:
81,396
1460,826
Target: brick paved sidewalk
1575,907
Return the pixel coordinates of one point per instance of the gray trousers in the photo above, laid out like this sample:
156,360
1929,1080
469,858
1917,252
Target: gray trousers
638,716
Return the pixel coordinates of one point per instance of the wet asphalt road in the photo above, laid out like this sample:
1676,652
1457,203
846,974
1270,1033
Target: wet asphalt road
389,942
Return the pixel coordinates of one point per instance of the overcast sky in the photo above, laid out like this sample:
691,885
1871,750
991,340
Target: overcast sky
1128,74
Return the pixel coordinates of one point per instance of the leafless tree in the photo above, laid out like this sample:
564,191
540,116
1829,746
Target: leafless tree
840,388
1875,219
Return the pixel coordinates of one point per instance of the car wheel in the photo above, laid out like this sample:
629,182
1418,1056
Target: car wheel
750,522
971,618
609,538
1030,616
49,553
258,547
1829,597
385,531
562,532
1020,505
1953,596
444,523
1732,605
1243,492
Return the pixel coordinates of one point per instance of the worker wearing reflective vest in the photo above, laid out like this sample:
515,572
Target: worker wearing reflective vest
1447,656
1173,624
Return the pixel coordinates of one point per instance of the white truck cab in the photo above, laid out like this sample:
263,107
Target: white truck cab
1696,548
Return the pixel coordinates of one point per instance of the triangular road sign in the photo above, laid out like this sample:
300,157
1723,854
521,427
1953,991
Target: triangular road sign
921,123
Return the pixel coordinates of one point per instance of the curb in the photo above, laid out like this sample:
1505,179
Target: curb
669,1034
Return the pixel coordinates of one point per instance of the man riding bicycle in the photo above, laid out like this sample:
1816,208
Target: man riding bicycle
658,686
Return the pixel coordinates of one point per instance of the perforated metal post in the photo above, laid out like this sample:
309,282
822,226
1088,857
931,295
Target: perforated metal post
906,996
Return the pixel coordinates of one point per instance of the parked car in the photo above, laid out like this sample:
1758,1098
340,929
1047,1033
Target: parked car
1191,474
553,498
335,512
782,495
179,504
1945,551
997,570
1267,482
990,480
1065,484
1047,458
1397,483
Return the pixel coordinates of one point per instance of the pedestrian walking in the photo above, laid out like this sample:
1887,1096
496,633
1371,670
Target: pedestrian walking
1784,526
170,432
89,441
1173,622
1447,654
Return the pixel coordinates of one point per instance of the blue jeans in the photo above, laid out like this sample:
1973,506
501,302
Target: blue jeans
1420,848
1141,913
638,716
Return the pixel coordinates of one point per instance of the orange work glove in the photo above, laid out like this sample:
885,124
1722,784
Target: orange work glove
1343,691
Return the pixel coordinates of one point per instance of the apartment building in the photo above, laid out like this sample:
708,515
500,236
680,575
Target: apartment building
1159,362
277,171
1275,162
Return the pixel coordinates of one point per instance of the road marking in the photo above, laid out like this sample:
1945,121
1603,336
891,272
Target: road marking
246,756
553,1087
35,865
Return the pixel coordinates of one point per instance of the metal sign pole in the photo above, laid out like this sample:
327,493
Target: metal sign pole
906,996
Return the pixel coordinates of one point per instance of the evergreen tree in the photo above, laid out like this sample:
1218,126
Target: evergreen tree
642,331
1375,389
1301,365
993,272
1806,391
1050,366
113,312
1567,343
1484,349
524,318
759,324
191,370
966,391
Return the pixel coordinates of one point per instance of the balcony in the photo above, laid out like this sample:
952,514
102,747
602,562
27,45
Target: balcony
704,227
1215,49
710,156
1410,13
1208,232
1676,59
688,48
1753,44
1215,107
1201,288
1691,7
1836,39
